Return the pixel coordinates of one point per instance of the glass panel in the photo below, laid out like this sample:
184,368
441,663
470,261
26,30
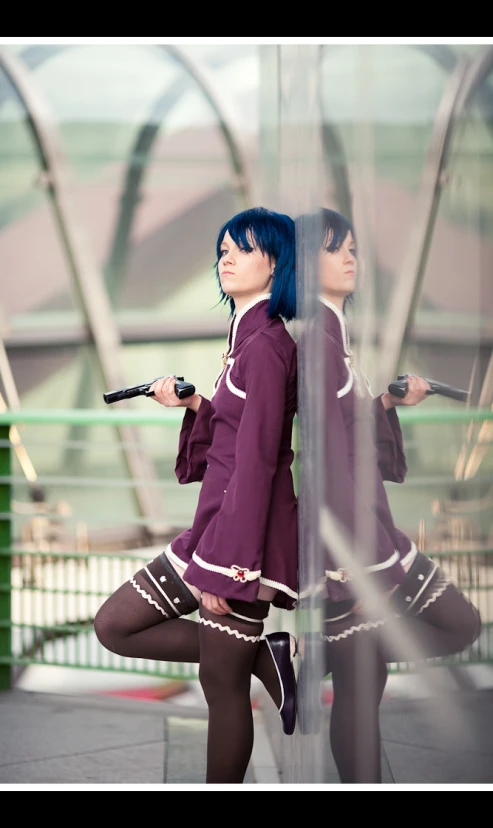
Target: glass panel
452,470
383,108
397,103
296,175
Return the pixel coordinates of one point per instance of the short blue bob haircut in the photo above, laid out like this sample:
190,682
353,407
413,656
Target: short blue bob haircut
274,234
327,229
335,228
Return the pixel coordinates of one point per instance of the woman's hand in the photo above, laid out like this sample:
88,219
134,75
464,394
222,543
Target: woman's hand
417,388
164,394
215,604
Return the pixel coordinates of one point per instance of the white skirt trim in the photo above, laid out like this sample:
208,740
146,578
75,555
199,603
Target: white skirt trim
280,587
237,573
171,555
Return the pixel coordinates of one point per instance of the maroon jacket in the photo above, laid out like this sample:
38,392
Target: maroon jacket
381,454
239,446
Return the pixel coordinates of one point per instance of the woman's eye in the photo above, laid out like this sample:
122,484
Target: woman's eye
353,252
223,252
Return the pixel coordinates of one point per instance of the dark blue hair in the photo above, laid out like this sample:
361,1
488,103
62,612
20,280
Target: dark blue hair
325,228
273,233
335,228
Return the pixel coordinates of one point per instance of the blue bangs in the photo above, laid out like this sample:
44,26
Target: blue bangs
274,235
335,228
324,228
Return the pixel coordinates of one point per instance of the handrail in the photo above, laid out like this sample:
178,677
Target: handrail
165,417
174,416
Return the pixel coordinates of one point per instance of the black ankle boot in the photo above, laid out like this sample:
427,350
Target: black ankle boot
282,646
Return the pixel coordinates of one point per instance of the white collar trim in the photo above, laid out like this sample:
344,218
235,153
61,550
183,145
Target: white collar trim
342,323
237,319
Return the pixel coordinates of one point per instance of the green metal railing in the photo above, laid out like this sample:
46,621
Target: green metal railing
48,600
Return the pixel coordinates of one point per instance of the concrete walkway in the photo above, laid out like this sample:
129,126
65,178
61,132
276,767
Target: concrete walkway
87,739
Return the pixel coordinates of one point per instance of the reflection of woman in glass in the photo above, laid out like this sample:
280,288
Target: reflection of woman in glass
240,555
438,618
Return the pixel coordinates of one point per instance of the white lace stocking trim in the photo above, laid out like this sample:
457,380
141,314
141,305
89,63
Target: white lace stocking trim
253,638
368,625
148,597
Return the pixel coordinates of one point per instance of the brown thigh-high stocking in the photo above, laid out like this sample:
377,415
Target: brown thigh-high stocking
137,621
359,676
228,648
142,619
441,622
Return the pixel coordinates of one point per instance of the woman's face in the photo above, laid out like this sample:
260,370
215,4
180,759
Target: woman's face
338,270
244,273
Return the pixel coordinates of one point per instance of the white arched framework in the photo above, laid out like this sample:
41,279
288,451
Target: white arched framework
89,281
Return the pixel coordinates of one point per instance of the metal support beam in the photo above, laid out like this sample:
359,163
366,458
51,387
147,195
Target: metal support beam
229,116
87,278
409,280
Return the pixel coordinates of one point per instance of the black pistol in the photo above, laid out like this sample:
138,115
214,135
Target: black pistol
182,389
398,388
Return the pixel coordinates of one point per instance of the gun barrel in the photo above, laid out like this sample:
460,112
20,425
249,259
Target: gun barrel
126,393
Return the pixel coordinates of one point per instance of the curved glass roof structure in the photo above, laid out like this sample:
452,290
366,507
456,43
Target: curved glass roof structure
120,163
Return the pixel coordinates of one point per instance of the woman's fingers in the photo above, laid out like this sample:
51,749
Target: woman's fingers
164,392
417,389
215,604
224,605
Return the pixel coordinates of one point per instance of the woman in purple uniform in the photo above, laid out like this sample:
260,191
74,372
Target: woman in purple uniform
240,555
363,433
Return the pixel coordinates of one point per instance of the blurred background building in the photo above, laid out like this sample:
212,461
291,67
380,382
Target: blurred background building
118,165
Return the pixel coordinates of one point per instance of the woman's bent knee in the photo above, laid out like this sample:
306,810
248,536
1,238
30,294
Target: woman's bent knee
107,631
473,630
468,627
